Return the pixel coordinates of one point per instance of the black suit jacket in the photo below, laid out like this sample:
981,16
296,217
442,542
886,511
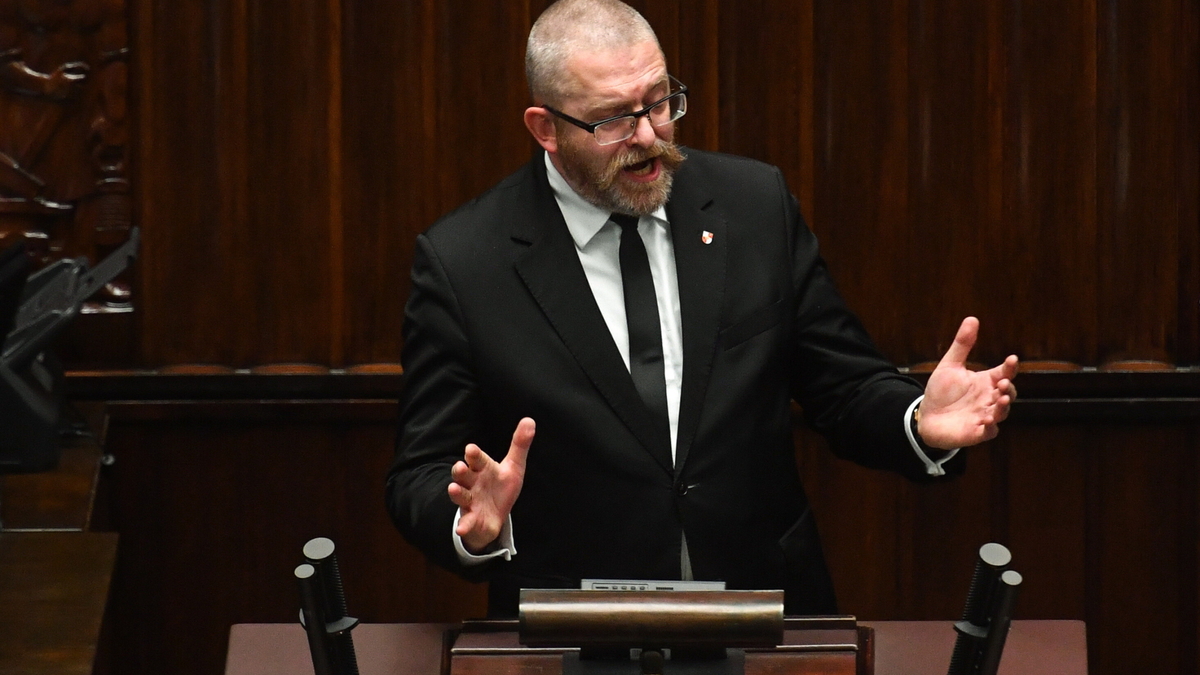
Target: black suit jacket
502,324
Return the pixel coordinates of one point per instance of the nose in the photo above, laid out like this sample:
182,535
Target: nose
644,134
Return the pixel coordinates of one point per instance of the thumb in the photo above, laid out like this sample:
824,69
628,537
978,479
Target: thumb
522,438
964,341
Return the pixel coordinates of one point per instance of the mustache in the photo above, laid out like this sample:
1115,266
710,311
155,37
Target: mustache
667,151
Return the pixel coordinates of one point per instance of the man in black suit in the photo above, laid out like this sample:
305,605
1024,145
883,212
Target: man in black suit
655,310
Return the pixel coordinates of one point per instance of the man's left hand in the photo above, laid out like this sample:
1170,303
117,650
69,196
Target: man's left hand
963,407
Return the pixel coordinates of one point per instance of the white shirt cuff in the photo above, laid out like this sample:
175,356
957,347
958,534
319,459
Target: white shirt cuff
931,467
505,548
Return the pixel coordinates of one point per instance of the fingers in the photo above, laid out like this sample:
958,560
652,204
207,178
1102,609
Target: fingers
465,474
460,496
964,340
1002,410
1006,370
990,431
475,465
522,438
466,471
476,459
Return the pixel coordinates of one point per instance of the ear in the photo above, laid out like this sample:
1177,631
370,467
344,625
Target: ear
541,126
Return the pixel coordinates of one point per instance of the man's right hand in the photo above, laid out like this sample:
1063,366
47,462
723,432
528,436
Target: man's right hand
485,490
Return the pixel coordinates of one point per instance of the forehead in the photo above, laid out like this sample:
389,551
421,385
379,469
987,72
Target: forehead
615,76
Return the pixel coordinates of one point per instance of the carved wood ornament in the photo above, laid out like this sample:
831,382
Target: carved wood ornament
64,132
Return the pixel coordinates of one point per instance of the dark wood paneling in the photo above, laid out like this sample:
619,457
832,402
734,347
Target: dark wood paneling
696,59
1101,522
860,131
1188,180
175,180
387,163
1031,163
55,585
1139,544
760,104
954,176
1139,80
213,501
235,169
479,66
1045,253
285,292
1046,505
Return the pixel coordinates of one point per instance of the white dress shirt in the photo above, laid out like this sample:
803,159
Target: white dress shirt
597,241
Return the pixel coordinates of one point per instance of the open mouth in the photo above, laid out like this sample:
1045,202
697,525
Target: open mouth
643,168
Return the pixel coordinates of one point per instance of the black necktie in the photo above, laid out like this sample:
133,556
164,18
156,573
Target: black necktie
641,313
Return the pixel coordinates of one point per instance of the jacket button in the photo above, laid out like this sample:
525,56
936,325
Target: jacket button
681,489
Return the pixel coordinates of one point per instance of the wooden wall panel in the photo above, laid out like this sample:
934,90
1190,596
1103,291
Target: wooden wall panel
1140,117
479,65
1045,254
213,501
860,200
697,60
1047,500
760,101
1101,521
175,182
1188,194
954,179
388,118
285,283
235,164
1143,535
1031,163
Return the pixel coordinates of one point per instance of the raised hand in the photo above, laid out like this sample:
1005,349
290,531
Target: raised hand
485,490
962,407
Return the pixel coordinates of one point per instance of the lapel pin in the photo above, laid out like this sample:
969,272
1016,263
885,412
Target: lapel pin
706,237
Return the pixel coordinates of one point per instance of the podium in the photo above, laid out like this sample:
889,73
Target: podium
899,647
825,645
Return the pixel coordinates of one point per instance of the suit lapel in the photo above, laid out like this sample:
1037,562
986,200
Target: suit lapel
551,270
700,238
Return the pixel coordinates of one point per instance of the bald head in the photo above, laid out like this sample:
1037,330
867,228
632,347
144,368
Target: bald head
571,27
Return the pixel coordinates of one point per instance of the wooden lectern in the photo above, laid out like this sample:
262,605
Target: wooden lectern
658,633
897,647
811,645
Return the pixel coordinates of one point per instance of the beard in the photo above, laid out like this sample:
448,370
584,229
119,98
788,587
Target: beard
602,182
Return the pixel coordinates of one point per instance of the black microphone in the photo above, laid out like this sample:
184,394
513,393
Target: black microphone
986,619
325,587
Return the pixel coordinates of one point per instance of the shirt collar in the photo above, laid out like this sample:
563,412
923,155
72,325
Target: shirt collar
584,219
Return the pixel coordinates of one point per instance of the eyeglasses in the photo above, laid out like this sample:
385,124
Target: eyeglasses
621,127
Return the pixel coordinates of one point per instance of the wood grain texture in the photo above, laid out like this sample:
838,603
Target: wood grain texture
1138,170
214,508
1099,531
1034,164
860,201
214,499
59,582
236,163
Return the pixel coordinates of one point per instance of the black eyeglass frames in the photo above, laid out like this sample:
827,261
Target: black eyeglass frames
621,127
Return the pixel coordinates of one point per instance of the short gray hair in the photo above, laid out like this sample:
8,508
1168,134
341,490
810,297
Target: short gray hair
570,26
